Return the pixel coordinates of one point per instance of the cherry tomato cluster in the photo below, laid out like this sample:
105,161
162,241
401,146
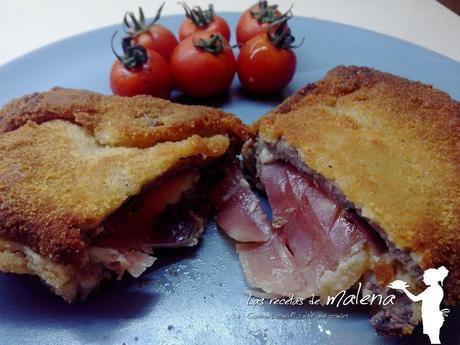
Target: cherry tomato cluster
202,63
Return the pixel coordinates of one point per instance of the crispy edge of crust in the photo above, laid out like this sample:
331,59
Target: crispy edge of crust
139,121
435,117
62,279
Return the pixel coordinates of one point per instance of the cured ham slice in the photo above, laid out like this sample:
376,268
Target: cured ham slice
270,266
308,216
310,238
119,261
240,212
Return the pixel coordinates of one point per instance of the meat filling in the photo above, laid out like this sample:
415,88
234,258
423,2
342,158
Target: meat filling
310,241
130,234
311,245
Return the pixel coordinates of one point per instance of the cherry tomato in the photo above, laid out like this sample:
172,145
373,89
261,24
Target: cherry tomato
203,64
140,72
263,67
199,20
159,39
256,20
152,36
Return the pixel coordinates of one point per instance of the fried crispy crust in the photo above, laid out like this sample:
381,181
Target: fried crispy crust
139,121
392,146
81,155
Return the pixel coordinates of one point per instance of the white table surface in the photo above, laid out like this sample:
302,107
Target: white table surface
30,24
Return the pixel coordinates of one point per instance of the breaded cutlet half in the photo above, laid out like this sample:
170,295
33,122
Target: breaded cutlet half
392,148
69,158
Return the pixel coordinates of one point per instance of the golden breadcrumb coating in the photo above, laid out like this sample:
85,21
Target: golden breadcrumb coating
70,158
392,146
139,121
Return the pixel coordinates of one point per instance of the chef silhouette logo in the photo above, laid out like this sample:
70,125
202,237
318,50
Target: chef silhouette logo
431,297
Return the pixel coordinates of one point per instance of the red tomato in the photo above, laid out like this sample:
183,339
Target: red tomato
256,20
198,72
152,36
198,20
263,67
159,39
153,77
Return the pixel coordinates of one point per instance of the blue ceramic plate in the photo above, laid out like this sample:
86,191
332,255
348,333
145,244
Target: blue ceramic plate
196,296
